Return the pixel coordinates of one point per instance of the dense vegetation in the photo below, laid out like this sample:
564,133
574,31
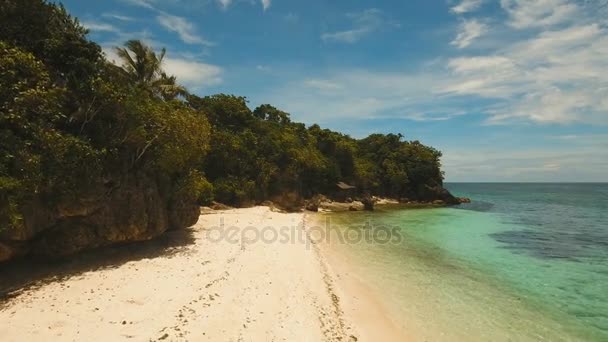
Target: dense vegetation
72,123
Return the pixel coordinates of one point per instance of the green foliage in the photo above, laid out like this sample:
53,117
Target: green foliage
144,67
55,38
70,122
234,190
227,111
193,187
270,113
262,155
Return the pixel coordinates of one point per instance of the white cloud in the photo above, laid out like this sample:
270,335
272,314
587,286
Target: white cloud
550,74
291,18
555,77
323,85
100,27
361,94
118,17
141,3
349,36
538,13
191,73
469,31
185,29
266,4
469,64
558,76
581,159
364,23
467,6
224,3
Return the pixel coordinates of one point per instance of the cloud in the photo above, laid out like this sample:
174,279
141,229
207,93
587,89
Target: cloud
364,23
291,18
542,75
538,13
117,17
141,3
266,4
467,6
100,27
224,3
582,159
469,31
556,76
323,85
185,29
191,73
470,64
350,36
361,95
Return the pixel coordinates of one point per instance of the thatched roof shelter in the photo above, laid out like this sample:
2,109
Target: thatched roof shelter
344,186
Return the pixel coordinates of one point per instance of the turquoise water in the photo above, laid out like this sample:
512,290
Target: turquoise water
522,262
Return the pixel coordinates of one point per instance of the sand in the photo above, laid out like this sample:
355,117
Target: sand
257,277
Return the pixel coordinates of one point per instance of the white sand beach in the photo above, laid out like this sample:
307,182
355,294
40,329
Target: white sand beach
236,286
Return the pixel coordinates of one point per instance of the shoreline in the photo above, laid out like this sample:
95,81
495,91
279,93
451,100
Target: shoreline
204,289
368,319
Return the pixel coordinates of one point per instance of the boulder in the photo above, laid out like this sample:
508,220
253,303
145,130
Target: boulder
368,203
220,206
352,208
312,205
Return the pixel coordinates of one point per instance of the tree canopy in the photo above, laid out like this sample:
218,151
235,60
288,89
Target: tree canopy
71,121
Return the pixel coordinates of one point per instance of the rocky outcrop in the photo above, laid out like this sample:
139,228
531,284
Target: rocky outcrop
132,210
312,205
429,194
368,203
220,206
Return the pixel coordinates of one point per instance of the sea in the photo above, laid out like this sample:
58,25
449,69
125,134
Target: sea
522,262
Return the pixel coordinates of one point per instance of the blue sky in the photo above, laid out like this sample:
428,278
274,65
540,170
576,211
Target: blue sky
509,90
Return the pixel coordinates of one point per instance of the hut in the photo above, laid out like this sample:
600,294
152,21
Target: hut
344,191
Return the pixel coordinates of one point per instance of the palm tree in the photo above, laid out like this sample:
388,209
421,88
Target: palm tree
144,67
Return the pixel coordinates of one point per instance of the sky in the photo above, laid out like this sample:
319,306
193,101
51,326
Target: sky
508,90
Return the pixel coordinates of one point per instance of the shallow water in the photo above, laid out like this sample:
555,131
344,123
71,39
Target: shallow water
522,262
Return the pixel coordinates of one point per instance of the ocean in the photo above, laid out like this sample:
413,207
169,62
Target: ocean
522,262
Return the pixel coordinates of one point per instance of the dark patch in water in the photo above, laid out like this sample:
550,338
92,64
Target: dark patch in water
552,244
476,206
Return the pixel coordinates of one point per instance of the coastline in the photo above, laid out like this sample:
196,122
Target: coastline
211,288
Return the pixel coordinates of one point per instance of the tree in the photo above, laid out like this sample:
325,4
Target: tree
270,113
144,67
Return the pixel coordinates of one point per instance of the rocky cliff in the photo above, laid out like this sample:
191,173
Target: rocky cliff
134,209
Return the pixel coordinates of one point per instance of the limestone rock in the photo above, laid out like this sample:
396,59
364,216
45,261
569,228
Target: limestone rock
134,210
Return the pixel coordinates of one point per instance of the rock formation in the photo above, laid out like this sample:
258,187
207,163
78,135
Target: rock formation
134,210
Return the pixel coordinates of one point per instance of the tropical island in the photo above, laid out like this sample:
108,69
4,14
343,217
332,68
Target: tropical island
117,154
141,201
95,153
